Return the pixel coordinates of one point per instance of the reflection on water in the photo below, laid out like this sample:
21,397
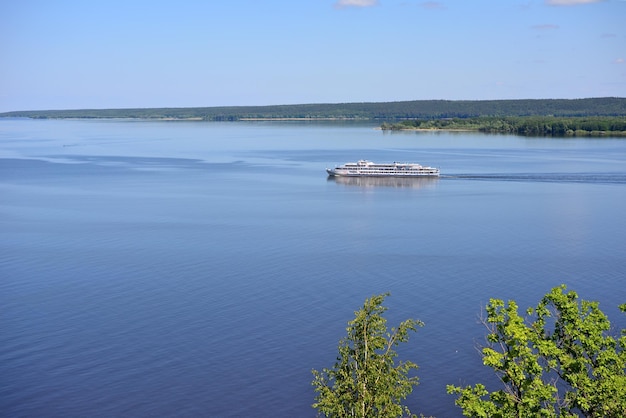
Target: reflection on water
411,182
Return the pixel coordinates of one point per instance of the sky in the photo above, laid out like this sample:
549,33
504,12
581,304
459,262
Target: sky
95,54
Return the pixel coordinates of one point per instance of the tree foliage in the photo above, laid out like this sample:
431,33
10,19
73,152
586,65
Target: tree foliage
366,380
557,361
389,111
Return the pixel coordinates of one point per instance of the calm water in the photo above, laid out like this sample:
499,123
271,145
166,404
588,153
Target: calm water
203,269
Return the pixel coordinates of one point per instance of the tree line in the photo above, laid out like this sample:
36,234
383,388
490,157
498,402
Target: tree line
383,111
558,359
527,126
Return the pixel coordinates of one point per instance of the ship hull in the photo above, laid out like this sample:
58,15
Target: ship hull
334,174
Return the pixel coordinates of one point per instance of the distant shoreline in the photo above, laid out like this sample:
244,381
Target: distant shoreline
300,119
432,129
367,111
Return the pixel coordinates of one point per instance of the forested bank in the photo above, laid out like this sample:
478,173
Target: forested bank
526,126
383,111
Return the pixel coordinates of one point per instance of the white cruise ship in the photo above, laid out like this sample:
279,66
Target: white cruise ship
364,168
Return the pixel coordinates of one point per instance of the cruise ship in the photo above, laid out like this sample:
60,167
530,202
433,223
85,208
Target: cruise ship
364,168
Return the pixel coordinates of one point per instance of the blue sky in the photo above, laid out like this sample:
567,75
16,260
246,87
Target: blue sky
133,53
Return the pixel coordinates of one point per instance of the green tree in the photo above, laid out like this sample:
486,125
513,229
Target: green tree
557,361
366,381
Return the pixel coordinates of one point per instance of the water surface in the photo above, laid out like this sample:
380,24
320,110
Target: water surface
203,269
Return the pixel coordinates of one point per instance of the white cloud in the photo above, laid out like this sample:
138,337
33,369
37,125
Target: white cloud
619,61
432,5
545,26
340,4
570,2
